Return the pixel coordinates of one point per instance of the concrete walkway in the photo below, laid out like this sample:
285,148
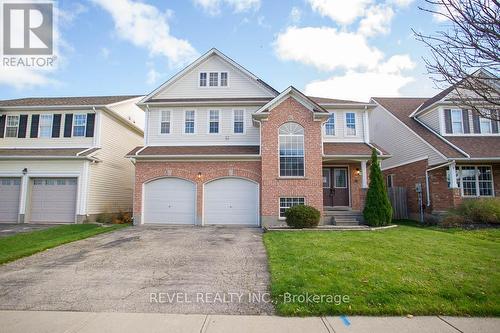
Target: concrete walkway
58,322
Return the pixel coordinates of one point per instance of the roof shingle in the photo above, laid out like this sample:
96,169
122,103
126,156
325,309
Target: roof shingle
195,150
65,101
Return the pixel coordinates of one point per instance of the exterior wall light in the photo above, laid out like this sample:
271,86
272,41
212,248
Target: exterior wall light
199,175
357,172
25,171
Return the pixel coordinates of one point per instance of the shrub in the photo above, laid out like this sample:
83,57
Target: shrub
122,218
378,209
479,211
104,218
302,216
453,220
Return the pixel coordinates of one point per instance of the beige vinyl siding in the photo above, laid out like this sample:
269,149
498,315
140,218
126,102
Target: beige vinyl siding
111,181
177,137
398,140
431,119
340,127
129,111
60,142
239,84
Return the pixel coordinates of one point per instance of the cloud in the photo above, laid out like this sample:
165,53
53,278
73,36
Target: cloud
213,7
295,15
401,3
343,12
377,21
145,26
152,77
25,77
326,48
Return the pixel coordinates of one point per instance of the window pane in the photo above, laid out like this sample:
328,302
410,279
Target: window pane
485,181
286,203
468,175
340,178
189,122
79,123
12,126
330,125
456,121
350,122
45,126
326,178
485,125
203,79
214,79
223,79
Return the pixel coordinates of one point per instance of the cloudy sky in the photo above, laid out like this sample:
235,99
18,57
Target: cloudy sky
334,48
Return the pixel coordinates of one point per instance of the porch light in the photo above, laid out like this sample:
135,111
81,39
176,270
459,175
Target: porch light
199,175
25,171
358,172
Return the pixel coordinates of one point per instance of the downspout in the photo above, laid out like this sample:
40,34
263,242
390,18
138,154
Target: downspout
146,126
427,190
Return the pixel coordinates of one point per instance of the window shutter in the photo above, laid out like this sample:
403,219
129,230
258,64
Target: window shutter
2,125
23,122
465,118
68,124
34,125
475,122
56,125
494,121
447,120
90,125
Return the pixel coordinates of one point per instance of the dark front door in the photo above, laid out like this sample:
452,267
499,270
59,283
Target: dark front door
335,186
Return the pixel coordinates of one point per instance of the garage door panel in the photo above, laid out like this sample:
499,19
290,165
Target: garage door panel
53,200
169,201
10,190
231,201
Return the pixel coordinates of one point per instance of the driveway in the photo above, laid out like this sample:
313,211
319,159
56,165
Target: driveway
145,269
7,229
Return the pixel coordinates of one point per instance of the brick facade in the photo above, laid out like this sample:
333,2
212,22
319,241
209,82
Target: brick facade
273,187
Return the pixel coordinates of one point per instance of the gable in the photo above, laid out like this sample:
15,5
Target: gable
240,84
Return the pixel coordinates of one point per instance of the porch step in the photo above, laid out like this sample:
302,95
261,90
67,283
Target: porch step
343,217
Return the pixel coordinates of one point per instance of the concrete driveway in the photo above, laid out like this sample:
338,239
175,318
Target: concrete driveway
204,270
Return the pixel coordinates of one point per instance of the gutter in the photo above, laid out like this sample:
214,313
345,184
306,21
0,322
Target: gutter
427,190
193,156
14,157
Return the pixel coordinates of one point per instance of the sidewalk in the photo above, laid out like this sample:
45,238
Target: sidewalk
58,322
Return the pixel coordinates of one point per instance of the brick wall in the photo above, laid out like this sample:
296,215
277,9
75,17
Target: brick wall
273,187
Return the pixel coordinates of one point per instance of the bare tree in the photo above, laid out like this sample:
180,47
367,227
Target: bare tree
466,52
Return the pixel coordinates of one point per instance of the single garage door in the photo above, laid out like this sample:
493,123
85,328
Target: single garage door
169,201
10,189
231,201
53,200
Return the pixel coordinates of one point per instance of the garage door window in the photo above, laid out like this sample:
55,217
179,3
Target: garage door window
6,181
286,203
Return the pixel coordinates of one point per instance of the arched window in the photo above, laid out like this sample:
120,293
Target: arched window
291,141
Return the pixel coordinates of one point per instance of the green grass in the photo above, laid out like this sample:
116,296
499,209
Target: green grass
405,270
26,244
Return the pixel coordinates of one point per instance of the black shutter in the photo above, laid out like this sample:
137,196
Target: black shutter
465,117
494,121
23,122
2,125
34,125
56,125
68,124
475,122
447,120
90,125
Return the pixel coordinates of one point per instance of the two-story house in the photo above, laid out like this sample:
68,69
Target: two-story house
449,149
223,147
61,159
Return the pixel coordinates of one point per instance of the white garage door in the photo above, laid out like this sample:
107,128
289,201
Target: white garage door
53,200
10,189
231,201
169,201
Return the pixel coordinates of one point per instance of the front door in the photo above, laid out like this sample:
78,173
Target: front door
335,186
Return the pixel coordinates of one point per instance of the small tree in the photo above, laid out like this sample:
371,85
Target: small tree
378,209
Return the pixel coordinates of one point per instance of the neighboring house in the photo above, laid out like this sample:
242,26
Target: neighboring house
450,150
61,159
223,147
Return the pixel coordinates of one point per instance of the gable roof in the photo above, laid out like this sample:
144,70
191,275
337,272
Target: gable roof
201,59
65,101
325,100
298,95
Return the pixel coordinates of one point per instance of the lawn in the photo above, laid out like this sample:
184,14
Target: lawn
399,271
26,244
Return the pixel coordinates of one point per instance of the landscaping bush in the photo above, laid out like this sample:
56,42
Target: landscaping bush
378,209
104,218
453,220
122,218
479,211
302,216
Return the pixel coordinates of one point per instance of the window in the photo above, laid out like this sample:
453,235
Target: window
165,122
474,180
291,150
286,203
340,177
485,125
189,122
223,79
468,179
350,123
45,126
390,181
12,126
330,125
79,124
485,181
203,79
457,121
238,121
213,122
214,79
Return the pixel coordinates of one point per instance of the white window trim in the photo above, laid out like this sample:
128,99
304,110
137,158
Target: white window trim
244,122
346,177
442,125
84,126
459,167
355,125
279,204
335,126
218,79
51,126
7,125
218,120
461,120
227,79
161,121
199,80
483,120
304,156
184,122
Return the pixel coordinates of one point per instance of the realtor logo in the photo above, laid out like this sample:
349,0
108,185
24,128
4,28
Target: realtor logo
28,28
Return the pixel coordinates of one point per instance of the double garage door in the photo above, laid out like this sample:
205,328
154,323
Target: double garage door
52,200
226,201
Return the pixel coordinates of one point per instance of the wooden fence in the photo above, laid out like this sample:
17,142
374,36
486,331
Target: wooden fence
399,202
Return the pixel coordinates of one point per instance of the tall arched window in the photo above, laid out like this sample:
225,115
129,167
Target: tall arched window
291,141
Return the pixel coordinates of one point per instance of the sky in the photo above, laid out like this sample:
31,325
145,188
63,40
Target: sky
353,49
